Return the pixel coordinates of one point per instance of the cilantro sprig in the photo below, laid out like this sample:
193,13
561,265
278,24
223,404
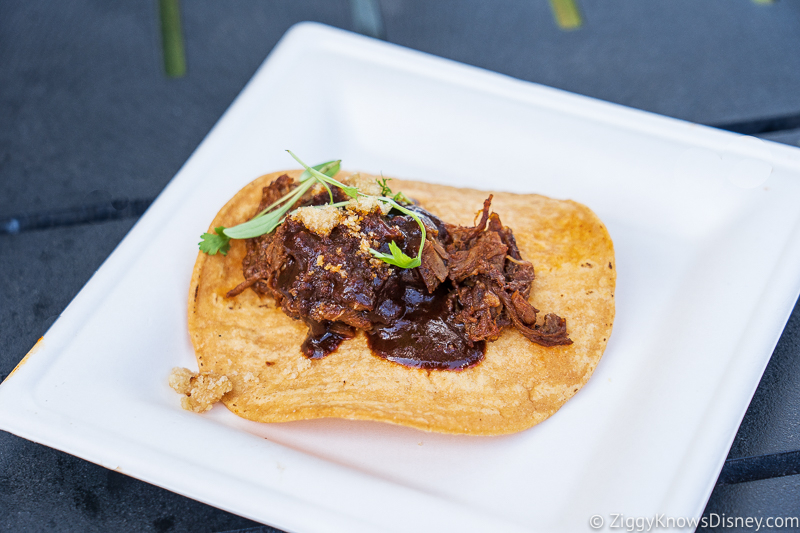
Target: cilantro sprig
212,243
270,218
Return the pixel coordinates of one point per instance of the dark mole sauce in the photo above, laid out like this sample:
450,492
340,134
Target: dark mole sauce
409,326
321,340
425,335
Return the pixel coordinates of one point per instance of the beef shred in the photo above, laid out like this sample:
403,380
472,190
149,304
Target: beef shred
332,282
492,283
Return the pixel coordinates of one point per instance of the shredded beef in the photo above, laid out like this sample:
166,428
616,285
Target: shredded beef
433,269
258,262
333,283
493,283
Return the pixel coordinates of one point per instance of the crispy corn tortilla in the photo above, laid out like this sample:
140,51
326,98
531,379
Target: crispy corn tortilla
518,384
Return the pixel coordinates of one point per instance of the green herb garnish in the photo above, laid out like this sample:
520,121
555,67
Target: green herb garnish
383,182
352,192
270,218
267,220
398,258
386,191
211,243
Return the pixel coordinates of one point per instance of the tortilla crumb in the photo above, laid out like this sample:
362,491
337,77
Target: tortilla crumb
377,263
364,247
336,269
319,220
366,183
353,223
368,204
201,391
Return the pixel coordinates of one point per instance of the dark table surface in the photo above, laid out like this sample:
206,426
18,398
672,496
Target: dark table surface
92,128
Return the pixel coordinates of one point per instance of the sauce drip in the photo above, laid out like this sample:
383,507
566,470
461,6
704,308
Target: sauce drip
323,338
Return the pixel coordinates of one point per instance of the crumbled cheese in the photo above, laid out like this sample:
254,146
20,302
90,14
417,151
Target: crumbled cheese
250,378
319,220
320,259
201,391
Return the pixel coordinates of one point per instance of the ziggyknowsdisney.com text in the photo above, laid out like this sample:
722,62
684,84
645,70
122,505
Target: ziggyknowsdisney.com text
713,520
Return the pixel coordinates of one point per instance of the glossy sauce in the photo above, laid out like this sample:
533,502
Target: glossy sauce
409,326
425,335
321,340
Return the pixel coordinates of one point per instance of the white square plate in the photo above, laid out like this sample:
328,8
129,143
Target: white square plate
705,225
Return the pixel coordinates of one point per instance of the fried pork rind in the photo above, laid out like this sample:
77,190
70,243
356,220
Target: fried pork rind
519,383
201,391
